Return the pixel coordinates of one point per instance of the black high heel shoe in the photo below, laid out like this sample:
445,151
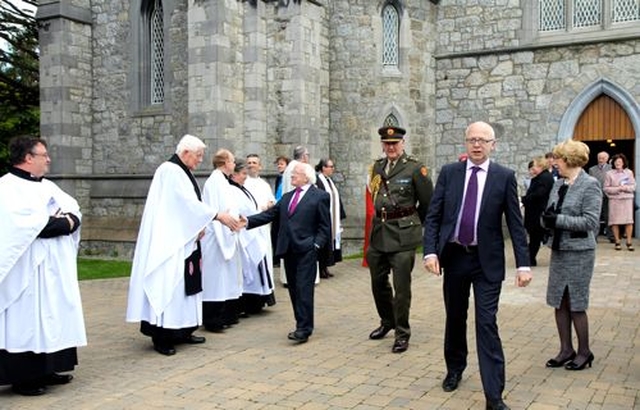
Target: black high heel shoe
560,363
575,366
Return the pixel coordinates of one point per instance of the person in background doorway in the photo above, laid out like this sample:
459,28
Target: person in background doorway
620,186
599,172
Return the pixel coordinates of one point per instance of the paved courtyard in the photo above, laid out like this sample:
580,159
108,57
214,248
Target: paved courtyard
254,366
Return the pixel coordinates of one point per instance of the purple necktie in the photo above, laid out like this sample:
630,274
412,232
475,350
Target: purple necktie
294,201
468,220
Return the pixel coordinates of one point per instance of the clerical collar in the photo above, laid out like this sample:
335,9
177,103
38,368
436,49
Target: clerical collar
21,173
176,160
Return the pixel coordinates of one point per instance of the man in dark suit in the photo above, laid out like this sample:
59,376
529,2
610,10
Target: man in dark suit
535,203
304,226
463,240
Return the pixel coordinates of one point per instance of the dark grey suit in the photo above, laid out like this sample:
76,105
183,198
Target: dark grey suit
300,236
482,266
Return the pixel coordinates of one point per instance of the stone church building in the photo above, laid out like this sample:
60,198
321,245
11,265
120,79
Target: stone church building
122,80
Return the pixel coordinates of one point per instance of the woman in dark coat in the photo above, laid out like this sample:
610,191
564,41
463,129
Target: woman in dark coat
573,216
535,202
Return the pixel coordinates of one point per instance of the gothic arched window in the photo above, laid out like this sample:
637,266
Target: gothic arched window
390,35
156,58
570,15
150,48
391,121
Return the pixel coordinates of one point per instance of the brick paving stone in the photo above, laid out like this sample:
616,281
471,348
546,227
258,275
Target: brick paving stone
253,366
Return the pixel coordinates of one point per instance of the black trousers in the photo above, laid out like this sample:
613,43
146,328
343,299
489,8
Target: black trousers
29,366
461,271
301,277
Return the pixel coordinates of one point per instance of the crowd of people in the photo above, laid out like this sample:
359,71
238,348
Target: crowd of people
207,257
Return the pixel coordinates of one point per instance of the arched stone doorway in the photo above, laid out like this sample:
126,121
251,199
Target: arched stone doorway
607,118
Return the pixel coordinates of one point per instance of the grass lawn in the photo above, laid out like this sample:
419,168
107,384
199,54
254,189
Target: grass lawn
102,268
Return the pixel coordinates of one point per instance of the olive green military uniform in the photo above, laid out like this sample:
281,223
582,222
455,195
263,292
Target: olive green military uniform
401,200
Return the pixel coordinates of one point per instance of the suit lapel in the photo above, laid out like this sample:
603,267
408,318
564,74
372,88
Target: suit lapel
488,186
460,173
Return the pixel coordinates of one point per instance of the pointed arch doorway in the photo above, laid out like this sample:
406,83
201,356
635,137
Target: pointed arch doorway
604,125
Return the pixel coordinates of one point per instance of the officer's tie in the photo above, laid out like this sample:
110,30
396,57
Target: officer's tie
390,165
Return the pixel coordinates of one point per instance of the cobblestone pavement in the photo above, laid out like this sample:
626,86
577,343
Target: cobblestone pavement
254,366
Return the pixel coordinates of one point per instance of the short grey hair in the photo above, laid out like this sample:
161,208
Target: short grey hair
308,172
299,151
189,143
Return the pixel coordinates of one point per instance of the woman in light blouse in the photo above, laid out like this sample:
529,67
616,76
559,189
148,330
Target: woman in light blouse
620,186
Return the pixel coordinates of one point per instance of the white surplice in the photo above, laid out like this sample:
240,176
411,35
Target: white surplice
172,219
221,265
334,209
40,304
255,248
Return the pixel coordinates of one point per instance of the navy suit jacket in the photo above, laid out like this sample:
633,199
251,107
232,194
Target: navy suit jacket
306,229
500,197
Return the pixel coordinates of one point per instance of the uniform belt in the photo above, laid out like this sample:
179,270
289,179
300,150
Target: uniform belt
464,248
396,213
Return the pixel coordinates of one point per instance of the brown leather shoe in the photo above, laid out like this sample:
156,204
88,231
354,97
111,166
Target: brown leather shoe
380,332
400,345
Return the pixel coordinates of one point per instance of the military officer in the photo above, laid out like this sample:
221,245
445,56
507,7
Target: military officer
401,190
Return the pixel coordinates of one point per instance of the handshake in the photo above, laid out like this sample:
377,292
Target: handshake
231,222
549,217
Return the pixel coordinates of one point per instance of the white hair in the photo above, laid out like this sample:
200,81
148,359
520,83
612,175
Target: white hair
309,172
189,143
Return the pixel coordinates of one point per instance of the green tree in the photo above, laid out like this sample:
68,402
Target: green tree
19,73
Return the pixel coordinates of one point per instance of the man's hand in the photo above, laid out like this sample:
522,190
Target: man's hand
229,221
523,278
243,221
432,264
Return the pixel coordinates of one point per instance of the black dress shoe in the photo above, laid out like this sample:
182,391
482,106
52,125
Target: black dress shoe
559,363
164,349
400,345
215,328
194,340
298,337
29,389
380,332
497,405
451,381
55,379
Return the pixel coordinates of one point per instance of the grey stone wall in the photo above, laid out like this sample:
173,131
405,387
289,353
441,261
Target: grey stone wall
525,91
362,94
478,25
263,78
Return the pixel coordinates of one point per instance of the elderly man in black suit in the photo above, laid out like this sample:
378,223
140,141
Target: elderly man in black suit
463,240
304,228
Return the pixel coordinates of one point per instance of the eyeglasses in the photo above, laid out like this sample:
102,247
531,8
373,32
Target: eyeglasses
35,154
480,141
328,166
